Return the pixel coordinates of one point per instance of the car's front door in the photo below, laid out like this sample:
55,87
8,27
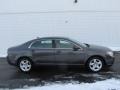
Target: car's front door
43,51
66,54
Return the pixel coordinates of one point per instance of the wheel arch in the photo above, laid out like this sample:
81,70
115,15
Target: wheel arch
98,56
21,57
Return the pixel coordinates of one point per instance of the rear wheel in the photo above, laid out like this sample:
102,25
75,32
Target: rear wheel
95,64
25,65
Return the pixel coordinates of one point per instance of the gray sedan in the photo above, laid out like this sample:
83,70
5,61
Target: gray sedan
59,51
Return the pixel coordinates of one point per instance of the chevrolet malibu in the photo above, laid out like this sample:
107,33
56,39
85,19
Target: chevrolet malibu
59,51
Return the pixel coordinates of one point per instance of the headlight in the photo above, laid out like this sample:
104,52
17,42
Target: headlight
110,53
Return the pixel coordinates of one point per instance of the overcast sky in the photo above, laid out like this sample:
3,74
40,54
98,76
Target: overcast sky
22,20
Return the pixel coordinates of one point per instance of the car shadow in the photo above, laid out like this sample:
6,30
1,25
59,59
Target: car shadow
58,73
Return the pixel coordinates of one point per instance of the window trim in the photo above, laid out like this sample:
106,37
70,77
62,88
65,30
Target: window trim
55,47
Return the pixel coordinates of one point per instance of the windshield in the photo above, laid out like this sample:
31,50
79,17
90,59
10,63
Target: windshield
77,41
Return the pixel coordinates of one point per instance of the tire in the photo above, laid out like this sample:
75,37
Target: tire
25,65
95,64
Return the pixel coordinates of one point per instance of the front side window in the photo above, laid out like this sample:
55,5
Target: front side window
42,44
64,44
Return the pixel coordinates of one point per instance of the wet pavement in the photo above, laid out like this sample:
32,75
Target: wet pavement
11,77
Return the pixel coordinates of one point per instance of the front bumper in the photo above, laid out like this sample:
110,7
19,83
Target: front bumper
110,60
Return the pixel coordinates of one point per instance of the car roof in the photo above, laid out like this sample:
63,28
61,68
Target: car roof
55,37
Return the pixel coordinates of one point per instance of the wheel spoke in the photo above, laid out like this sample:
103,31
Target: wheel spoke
98,66
95,60
26,68
22,62
99,63
91,64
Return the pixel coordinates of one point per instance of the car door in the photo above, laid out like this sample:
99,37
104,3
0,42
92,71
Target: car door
68,53
43,51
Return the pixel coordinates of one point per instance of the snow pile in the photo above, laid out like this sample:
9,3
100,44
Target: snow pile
110,84
115,48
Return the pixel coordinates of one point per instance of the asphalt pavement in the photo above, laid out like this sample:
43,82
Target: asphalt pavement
11,77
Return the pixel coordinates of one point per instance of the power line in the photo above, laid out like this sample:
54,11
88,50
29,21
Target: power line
67,11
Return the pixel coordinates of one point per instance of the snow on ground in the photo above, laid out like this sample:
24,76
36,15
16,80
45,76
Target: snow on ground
110,84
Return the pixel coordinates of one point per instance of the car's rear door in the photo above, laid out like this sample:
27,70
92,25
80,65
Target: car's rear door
43,51
65,54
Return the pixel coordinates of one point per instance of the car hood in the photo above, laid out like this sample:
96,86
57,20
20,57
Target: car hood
98,48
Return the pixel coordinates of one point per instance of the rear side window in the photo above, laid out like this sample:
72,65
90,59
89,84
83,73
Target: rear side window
42,44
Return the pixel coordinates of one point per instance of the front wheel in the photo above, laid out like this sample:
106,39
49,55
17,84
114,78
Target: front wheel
95,64
25,65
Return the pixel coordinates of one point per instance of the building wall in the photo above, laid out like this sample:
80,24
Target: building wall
91,21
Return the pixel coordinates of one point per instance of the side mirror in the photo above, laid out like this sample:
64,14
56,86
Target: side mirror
76,48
